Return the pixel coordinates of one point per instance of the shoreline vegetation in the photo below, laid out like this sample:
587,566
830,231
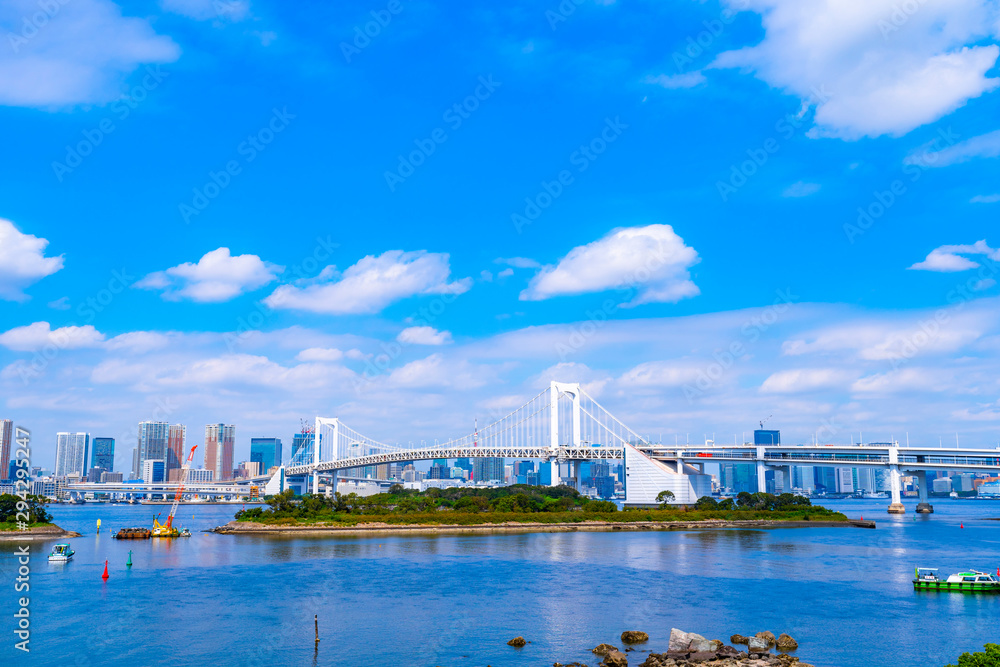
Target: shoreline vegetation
27,519
518,508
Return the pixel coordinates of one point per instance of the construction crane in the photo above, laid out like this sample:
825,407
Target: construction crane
762,423
167,529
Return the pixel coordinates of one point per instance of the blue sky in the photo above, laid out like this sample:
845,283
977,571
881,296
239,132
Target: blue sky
253,212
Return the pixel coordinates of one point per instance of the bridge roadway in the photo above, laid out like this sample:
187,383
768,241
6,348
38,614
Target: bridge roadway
897,460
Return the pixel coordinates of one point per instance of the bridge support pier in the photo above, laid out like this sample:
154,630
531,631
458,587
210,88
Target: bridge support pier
923,507
896,507
761,471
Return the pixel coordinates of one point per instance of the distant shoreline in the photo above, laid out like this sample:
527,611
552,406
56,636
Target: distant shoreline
251,528
50,532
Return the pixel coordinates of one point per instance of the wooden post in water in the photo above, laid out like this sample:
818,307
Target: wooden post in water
316,621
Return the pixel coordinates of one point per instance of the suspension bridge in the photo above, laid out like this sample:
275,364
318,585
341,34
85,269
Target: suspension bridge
563,426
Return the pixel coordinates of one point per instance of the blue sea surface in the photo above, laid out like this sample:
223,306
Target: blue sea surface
844,593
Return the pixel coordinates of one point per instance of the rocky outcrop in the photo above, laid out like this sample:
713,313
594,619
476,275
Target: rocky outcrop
758,644
634,637
680,640
603,649
615,659
767,635
738,639
786,643
517,642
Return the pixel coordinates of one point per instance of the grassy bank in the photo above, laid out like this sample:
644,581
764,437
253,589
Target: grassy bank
515,504
9,527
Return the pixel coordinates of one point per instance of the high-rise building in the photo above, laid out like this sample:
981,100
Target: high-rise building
826,478
176,446
136,468
762,437
266,452
302,447
153,439
153,471
220,442
6,437
103,454
745,478
464,464
72,450
440,470
488,470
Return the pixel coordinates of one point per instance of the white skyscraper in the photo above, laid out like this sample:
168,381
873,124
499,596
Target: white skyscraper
72,453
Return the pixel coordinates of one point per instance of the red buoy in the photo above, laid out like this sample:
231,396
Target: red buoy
105,575
961,525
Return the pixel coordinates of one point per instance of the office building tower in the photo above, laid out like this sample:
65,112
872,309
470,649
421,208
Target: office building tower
153,439
103,453
266,452
745,478
136,469
220,442
762,437
605,486
488,470
111,478
803,477
6,439
176,446
152,471
845,480
72,454
464,464
302,447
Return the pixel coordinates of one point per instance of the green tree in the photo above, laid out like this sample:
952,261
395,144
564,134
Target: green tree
706,503
601,506
664,498
396,489
989,658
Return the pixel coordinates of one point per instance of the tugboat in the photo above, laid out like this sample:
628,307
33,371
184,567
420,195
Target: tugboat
61,553
973,581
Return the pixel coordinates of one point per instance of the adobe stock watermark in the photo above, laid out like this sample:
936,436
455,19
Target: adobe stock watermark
700,43
261,313
93,137
248,150
900,15
60,339
365,33
32,24
581,158
883,200
22,583
787,127
454,116
750,333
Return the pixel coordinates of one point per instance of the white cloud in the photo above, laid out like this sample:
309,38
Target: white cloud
218,276
653,260
372,284
806,379
202,10
672,82
985,199
982,146
320,354
801,189
506,273
36,336
424,336
867,71
949,259
518,262
62,303
22,261
80,55
139,341
662,374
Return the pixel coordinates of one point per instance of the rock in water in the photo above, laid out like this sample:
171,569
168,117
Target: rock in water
517,642
604,649
758,644
738,639
786,643
705,646
680,640
768,635
615,659
634,637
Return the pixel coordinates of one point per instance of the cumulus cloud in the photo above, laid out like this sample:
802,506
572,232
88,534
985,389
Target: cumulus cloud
218,276
949,258
320,354
36,336
373,284
801,189
80,55
652,260
982,146
519,262
138,342
22,261
202,10
424,336
869,68
806,379
671,82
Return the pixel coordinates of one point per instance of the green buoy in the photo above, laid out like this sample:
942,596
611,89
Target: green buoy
129,563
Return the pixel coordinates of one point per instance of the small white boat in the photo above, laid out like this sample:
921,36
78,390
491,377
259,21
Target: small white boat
61,553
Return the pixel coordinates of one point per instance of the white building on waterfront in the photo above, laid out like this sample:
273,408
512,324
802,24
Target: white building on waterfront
72,453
